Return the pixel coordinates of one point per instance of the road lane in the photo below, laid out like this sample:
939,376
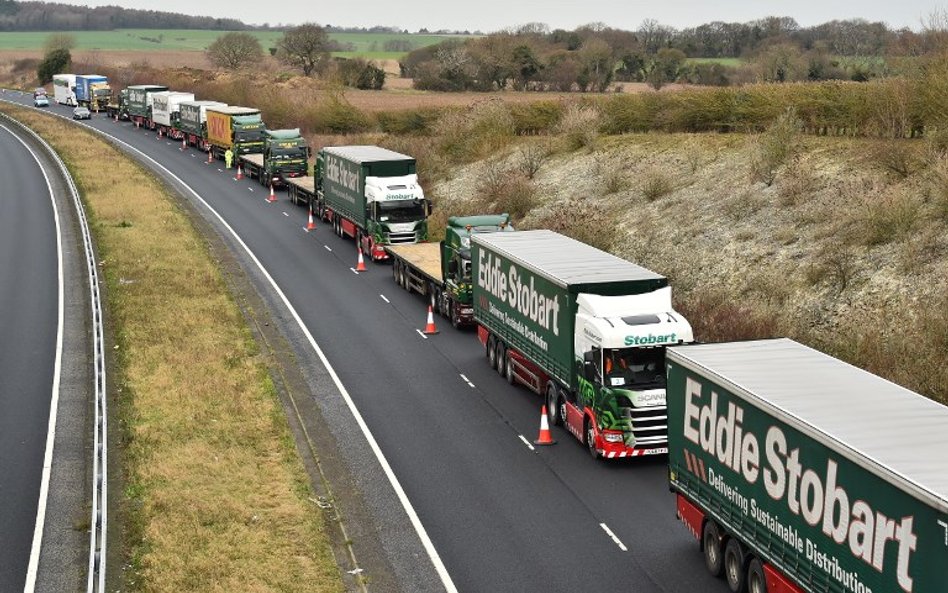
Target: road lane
29,312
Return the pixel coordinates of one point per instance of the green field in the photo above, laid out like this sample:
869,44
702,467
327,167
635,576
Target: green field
732,62
368,45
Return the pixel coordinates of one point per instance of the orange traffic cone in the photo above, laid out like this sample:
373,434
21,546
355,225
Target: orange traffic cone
184,143
545,437
210,156
360,267
240,173
430,328
311,226
272,197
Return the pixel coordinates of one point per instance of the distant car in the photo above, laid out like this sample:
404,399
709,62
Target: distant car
40,101
81,113
39,92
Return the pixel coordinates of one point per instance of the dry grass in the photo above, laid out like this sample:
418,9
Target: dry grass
215,492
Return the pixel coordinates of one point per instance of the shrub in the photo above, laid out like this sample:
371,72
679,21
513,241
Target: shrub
613,178
716,316
474,132
536,117
656,184
774,147
895,156
360,73
53,62
582,219
579,127
531,158
888,217
336,115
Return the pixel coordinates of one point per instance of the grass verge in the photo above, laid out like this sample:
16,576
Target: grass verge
214,492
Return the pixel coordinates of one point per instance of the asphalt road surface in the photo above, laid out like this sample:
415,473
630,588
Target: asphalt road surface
502,517
29,314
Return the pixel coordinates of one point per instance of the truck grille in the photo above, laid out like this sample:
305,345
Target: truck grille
649,425
401,238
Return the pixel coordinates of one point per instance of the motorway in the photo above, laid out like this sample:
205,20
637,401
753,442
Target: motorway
501,516
29,321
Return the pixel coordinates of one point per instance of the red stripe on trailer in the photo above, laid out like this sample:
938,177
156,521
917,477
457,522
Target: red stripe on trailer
703,474
691,468
777,582
692,517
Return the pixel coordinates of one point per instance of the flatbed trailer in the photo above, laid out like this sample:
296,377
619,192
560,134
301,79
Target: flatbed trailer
302,190
252,165
420,264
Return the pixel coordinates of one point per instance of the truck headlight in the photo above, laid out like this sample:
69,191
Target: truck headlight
612,436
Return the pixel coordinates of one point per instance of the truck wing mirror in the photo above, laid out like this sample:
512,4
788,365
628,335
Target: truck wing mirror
589,370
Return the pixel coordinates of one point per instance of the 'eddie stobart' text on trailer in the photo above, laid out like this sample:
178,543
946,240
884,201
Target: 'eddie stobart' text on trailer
800,473
583,327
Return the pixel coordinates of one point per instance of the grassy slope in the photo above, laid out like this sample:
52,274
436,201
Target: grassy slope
215,492
840,252
367,44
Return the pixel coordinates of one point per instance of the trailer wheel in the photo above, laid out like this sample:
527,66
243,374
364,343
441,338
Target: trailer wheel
553,410
509,369
711,547
756,582
455,315
395,267
501,357
491,352
734,566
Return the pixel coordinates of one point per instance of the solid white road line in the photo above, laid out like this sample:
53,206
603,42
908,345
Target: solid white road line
421,334
468,381
613,536
385,299
526,442
286,215
426,542
40,522
328,248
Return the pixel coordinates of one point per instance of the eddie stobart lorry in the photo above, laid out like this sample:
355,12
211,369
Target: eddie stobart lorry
443,270
285,155
372,195
584,328
138,104
800,473
238,129
192,122
166,112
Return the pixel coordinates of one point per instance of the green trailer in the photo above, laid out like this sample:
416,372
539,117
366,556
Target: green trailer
138,107
584,328
800,473
372,195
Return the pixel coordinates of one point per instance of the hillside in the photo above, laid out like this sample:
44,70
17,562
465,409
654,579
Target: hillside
846,250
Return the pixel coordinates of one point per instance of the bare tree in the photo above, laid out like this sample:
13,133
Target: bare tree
235,50
305,47
56,41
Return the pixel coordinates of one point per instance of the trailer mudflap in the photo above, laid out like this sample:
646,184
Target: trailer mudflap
691,516
777,583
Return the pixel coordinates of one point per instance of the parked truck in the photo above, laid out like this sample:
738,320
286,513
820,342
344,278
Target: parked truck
442,271
117,107
285,155
371,194
192,122
64,89
139,102
93,91
583,328
166,110
238,129
800,473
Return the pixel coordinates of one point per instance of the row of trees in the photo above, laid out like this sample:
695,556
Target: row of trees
591,58
43,16
306,48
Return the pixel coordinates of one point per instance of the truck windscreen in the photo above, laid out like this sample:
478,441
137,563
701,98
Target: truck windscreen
634,368
401,211
248,136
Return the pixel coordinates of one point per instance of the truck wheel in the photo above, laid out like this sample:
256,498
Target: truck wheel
501,357
395,267
734,566
455,316
756,582
491,352
711,546
591,439
553,410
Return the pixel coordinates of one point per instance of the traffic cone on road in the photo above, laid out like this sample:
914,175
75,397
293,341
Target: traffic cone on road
184,143
310,226
430,328
545,437
360,267
240,173
210,156
272,197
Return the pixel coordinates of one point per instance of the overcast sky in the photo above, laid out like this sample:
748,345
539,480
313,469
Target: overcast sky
490,15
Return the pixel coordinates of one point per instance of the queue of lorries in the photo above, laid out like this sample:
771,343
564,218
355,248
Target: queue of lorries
795,471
